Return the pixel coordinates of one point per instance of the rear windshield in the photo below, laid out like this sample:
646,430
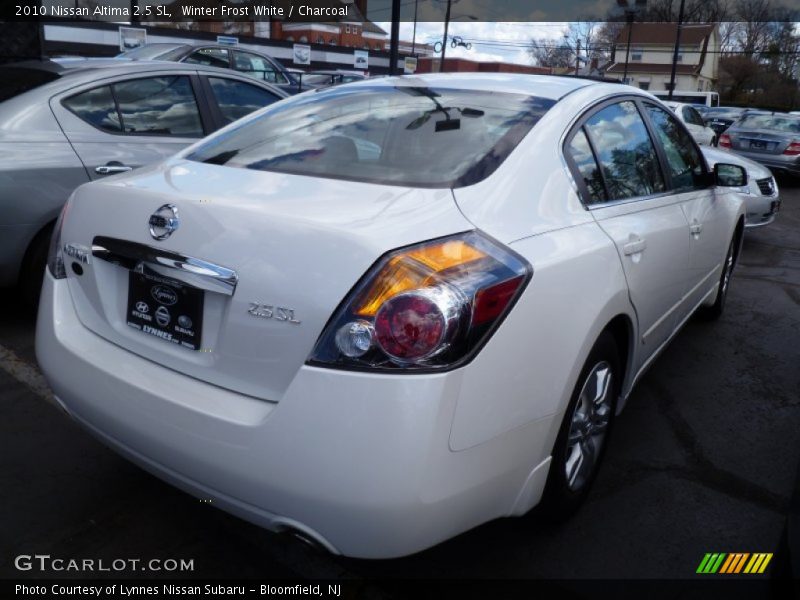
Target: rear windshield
785,124
15,80
411,136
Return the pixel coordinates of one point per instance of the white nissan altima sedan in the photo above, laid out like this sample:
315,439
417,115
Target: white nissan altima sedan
378,315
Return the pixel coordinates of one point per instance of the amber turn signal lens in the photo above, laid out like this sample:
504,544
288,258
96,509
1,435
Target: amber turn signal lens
414,269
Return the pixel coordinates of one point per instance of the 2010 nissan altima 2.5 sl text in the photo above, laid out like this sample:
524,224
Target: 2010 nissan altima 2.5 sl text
381,314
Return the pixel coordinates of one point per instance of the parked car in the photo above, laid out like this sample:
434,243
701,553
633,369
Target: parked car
255,64
772,139
762,197
703,135
378,350
722,117
63,123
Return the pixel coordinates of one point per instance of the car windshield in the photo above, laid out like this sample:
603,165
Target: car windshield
151,52
785,123
404,135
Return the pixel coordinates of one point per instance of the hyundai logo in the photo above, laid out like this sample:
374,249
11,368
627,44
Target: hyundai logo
164,222
142,307
164,295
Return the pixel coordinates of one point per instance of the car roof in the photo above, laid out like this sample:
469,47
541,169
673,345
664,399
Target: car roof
77,71
552,87
110,66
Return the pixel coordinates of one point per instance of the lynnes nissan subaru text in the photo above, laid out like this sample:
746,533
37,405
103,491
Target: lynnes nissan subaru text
381,314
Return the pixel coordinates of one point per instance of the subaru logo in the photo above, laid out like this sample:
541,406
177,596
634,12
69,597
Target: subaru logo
164,295
164,222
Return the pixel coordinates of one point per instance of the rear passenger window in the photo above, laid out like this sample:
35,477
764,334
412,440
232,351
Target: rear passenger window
581,154
159,106
97,108
683,157
625,152
237,99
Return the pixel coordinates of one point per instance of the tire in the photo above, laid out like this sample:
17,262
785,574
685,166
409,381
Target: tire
583,437
33,266
714,312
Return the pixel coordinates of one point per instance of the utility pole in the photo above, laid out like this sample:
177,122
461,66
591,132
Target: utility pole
394,44
629,14
444,42
414,36
677,49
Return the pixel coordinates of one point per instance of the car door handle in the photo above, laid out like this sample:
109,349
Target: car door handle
696,228
112,168
635,246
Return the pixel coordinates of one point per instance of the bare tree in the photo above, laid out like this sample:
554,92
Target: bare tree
550,53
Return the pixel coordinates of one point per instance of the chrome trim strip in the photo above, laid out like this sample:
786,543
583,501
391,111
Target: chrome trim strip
146,259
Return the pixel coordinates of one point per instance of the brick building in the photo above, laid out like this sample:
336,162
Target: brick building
463,65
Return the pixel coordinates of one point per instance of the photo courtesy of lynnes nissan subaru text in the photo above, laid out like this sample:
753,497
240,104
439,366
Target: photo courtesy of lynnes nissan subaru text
383,313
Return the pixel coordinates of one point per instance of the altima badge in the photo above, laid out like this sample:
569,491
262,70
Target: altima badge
164,222
268,311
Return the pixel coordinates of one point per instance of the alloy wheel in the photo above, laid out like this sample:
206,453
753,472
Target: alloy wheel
588,426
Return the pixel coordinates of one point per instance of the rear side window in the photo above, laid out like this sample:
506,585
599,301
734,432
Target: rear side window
97,108
159,105
237,99
691,116
149,106
625,152
683,157
15,81
583,157
410,136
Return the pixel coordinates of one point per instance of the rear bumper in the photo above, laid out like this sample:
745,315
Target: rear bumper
361,463
776,162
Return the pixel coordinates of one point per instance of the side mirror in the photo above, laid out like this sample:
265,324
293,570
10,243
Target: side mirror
727,175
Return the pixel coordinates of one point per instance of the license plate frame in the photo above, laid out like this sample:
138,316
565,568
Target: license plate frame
758,145
165,308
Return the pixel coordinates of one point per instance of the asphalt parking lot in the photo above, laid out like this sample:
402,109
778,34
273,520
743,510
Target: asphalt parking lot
703,460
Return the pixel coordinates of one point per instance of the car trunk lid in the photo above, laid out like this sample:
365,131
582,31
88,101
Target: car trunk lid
273,254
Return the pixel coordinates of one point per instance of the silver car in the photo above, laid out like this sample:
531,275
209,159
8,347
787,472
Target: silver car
772,139
63,123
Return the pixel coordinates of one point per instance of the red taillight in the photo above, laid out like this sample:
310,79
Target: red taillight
725,141
427,306
412,326
491,302
793,149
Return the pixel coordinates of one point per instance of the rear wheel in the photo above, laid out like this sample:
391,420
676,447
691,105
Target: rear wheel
584,432
715,311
